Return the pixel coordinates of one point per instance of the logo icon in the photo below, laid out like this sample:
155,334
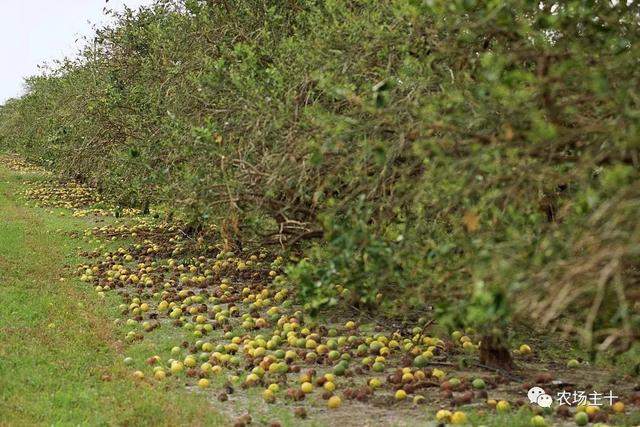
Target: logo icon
538,396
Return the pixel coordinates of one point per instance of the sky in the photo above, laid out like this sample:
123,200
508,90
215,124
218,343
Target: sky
37,31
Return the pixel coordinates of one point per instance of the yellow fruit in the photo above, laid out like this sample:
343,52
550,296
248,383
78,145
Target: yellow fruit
252,379
203,383
538,421
401,394
159,374
375,383
525,349
618,407
329,386
350,325
305,378
274,387
592,410
407,378
176,367
573,363
306,387
443,415
438,373
334,402
459,417
503,406
138,375
268,396
190,361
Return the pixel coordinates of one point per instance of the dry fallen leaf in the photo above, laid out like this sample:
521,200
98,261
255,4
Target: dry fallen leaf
471,221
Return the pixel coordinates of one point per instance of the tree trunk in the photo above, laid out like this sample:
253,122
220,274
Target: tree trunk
494,353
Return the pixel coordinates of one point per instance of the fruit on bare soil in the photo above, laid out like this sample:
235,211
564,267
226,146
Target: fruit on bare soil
334,402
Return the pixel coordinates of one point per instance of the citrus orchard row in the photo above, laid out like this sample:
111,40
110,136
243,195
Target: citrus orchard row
240,327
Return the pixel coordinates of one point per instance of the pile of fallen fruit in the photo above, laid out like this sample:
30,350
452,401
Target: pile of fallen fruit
238,330
82,199
18,164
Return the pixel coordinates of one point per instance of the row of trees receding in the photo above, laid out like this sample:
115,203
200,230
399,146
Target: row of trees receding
477,157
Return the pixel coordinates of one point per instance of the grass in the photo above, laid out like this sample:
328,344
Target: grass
60,354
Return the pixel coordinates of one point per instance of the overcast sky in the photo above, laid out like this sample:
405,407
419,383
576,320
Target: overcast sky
35,31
